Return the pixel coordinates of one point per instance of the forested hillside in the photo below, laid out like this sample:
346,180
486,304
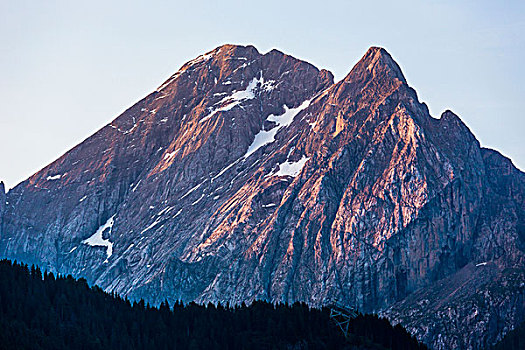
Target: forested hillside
41,311
514,340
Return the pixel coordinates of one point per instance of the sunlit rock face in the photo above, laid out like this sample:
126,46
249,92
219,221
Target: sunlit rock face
254,176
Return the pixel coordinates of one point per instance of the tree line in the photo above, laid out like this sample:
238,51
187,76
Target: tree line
514,340
43,311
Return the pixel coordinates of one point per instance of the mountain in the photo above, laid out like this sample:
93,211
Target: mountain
250,176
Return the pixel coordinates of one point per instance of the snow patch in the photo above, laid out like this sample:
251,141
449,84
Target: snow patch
191,190
98,240
151,226
137,185
159,218
269,85
225,169
165,210
54,177
198,200
482,264
200,59
291,168
170,80
161,97
265,137
228,102
125,132
170,155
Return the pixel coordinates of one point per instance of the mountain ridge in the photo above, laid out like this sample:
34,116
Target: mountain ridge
251,176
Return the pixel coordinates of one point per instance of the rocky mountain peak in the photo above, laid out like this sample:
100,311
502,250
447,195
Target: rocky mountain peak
376,63
253,176
379,61
374,81
449,116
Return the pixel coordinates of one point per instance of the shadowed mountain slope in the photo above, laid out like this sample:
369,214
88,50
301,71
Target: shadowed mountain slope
254,176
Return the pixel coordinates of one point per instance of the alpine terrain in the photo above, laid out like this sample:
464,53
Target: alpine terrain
250,176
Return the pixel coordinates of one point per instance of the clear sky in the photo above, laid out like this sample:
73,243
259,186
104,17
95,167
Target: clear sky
67,68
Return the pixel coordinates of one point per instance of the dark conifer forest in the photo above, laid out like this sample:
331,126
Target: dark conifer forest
41,311
514,340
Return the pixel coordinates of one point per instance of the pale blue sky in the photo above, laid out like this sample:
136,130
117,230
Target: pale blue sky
69,67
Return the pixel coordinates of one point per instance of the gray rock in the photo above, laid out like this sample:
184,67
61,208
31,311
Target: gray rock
3,203
253,176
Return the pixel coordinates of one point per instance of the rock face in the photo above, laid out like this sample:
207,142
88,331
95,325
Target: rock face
475,306
254,176
2,201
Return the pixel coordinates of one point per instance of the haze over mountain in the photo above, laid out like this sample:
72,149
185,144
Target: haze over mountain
252,176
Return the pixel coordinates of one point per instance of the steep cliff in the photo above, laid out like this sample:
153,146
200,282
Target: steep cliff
254,176
2,204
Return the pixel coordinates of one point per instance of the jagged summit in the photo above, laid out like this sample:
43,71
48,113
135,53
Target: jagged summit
253,176
228,58
220,56
376,62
